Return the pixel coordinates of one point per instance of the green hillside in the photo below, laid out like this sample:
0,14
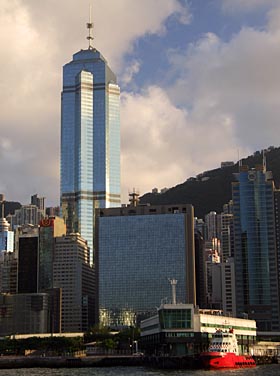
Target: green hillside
212,189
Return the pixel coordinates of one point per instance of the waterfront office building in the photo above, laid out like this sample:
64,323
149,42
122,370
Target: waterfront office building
137,250
257,294
90,140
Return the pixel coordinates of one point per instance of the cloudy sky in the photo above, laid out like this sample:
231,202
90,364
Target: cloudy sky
200,84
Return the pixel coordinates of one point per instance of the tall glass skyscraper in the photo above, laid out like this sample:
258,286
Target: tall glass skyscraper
90,141
255,254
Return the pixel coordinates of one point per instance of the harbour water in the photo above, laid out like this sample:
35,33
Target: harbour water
268,370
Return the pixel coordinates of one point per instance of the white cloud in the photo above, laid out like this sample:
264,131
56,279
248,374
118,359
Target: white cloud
274,19
130,71
28,106
239,78
163,145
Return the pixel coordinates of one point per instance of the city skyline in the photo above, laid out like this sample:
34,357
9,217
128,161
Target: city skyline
170,96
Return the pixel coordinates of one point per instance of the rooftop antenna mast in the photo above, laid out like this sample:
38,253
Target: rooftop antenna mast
90,28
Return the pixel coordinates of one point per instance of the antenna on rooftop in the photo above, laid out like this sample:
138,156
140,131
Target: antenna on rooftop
134,198
90,27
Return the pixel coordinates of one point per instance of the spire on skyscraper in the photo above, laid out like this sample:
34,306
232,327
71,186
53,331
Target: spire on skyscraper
90,27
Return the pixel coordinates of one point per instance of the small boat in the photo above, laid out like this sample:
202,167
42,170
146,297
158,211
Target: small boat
223,352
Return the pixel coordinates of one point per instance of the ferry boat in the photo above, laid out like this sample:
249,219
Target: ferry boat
223,352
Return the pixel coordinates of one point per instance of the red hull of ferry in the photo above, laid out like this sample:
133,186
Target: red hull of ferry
217,360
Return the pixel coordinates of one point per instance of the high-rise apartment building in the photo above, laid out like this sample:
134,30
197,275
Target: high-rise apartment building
226,235
211,224
73,273
228,287
200,269
255,254
27,214
138,248
90,140
38,201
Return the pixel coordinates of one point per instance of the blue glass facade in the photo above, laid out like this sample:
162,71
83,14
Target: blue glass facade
90,141
137,254
255,251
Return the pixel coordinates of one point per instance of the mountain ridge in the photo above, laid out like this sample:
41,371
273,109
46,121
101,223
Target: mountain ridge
210,190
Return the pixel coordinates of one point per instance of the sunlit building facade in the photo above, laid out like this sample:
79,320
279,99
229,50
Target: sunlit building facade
90,141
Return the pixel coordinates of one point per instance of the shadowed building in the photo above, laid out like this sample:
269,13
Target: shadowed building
28,250
24,314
